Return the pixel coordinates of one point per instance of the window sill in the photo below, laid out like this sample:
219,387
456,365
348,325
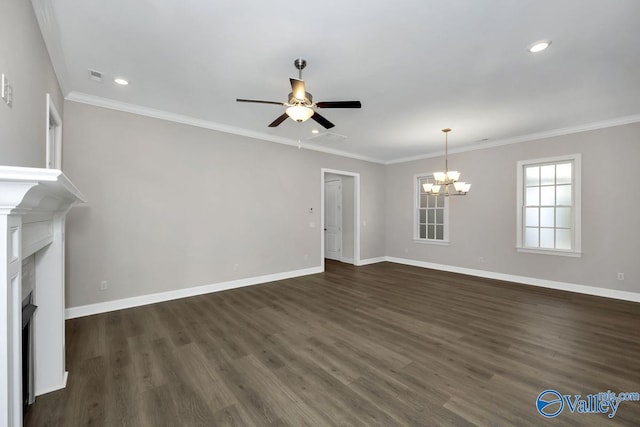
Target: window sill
555,252
432,242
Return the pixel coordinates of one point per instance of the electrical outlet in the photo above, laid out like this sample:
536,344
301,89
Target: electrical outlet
620,276
235,267
104,285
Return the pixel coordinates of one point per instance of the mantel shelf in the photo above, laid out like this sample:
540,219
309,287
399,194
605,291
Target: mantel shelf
36,190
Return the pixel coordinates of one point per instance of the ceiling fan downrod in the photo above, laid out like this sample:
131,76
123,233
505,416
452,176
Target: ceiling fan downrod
300,64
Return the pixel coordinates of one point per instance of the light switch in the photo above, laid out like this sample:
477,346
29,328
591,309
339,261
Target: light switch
6,91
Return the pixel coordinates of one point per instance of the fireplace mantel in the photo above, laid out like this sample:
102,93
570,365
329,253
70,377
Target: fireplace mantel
30,190
33,206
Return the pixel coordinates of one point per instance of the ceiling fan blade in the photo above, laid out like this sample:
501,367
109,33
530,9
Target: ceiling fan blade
260,102
279,120
320,119
298,89
339,104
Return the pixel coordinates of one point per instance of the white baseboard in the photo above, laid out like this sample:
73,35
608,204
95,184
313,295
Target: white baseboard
562,286
54,388
372,260
87,310
103,307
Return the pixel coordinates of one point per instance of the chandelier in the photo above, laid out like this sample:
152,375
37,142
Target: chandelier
447,179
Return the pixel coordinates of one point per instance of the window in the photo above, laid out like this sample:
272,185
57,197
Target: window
549,206
430,213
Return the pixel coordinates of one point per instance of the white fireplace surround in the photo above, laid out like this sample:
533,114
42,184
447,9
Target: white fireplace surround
33,206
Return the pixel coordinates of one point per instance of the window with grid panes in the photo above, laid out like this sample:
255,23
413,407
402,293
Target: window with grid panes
431,214
549,212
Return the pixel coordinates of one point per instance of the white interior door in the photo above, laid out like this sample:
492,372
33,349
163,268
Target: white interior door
333,220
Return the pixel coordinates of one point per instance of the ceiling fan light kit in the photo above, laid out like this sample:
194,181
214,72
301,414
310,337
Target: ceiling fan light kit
300,105
299,113
447,179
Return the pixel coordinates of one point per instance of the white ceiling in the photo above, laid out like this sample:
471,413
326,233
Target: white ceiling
417,66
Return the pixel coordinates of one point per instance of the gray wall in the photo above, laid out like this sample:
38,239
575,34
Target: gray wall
483,223
173,206
25,62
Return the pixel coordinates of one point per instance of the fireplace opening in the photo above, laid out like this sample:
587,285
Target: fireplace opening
28,395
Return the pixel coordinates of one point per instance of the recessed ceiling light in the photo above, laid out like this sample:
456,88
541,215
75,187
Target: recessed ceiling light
121,82
315,131
539,46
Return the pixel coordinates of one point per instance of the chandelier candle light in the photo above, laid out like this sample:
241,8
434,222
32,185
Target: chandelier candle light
444,180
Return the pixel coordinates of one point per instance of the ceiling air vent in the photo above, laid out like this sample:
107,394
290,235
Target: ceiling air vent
328,137
95,75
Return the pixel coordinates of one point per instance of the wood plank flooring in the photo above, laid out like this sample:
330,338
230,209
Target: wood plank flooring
383,344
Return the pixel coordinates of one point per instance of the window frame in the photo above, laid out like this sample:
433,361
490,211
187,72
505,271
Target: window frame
416,214
576,211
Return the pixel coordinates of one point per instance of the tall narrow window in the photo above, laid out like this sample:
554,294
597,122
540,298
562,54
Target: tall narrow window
431,213
549,205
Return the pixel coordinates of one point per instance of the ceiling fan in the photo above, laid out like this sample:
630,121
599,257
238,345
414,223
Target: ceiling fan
300,105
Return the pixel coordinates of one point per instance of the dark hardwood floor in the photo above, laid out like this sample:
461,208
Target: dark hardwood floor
383,344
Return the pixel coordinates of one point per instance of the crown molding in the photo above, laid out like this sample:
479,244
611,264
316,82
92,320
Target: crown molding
111,104
342,153
48,24
619,121
97,101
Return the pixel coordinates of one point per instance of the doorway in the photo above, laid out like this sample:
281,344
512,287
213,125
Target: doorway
54,136
333,207
340,214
